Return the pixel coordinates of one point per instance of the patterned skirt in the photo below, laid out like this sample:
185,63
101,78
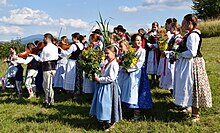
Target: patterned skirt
201,89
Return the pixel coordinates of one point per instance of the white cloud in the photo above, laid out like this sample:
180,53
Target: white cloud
174,4
128,9
3,2
159,5
76,23
11,30
27,16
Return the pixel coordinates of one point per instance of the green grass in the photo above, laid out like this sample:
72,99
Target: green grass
67,116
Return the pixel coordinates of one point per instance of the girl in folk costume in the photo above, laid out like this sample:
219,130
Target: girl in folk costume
135,88
167,69
106,104
153,55
15,70
61,65
89,85
99,43
74,51
190,69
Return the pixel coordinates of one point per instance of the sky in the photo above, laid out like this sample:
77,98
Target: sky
22,18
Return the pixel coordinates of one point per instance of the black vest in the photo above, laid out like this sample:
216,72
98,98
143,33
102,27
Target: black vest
183,47
75,54
33,64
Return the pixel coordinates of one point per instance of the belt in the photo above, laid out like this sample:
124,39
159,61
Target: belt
49,65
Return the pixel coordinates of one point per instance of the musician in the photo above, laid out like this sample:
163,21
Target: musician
71,71
48,57
61,65
32,70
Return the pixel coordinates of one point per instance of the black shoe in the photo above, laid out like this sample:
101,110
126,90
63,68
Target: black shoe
47,105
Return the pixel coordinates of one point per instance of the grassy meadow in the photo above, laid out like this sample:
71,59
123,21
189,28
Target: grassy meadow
73,116
210,28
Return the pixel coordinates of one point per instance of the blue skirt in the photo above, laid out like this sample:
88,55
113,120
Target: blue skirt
144,94
106,103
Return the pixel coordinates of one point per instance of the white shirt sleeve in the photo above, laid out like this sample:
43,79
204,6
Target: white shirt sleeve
37,58
25,61
65,53
192,46
113,73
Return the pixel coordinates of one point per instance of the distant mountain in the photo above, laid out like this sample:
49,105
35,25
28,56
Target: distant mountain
32,38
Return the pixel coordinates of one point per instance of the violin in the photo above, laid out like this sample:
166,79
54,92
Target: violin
24,54
39,48
64,46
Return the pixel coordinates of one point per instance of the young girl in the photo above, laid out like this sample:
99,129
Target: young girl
106,104
192,85
16,69
135,88
153,55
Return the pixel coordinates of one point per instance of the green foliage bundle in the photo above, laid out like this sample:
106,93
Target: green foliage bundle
90,62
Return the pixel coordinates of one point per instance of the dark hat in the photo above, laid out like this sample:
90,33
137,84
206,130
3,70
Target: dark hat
97,31
120,27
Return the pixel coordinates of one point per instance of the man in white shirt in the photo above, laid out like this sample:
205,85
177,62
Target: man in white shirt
48,57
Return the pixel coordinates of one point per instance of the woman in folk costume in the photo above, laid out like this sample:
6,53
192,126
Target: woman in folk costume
89,85
154,54
61,65
192,86
135,88
106,104
167,71
74,51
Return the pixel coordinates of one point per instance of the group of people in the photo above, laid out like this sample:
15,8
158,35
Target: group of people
116,89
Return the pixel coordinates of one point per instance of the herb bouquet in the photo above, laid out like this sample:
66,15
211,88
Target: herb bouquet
129,59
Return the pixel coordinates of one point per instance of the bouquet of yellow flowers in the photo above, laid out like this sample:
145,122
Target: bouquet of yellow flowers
129,59
90,61
162,40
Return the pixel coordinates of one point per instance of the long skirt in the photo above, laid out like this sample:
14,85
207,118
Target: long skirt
106,103
60,75
70,75
201,89
144,94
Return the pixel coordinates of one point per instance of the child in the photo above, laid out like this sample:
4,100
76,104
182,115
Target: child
106,104
19,70
135,88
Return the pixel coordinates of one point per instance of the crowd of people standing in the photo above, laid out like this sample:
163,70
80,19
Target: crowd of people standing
180,68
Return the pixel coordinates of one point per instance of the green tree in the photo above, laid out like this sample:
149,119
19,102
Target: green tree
5,47
207,9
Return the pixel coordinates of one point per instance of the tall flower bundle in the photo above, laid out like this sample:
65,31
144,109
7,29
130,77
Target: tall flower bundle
90,61
103,26
162,40
129,59
91,58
